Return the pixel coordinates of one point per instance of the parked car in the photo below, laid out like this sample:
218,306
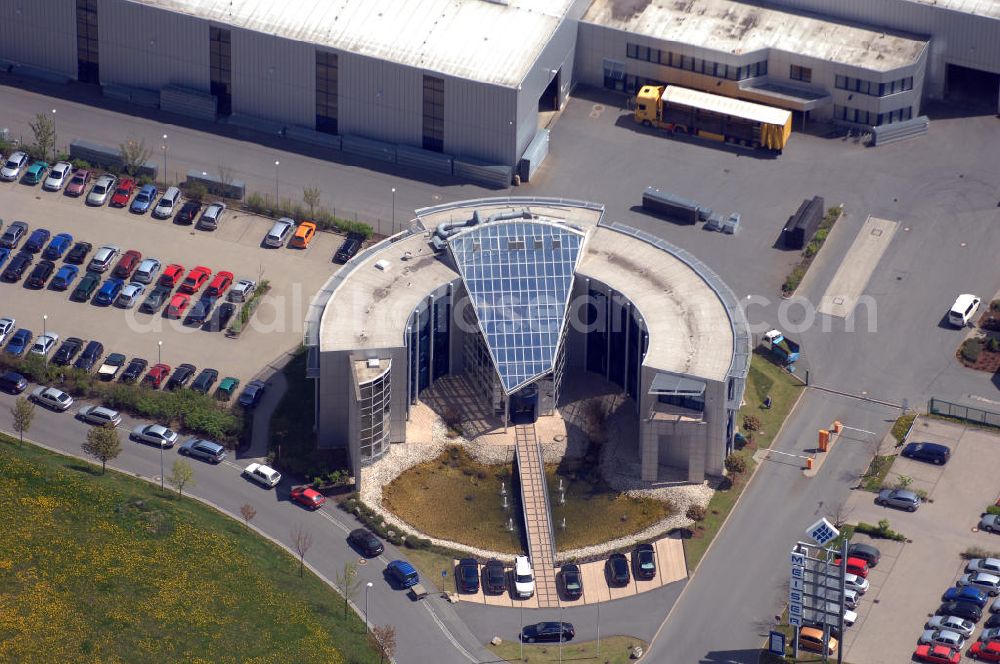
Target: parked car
252,394
200,312
12,382
195,279
965,307
130,295
242,290
494,578
182,374
171,275
154,434
134,370
524,578
13,166
989,634
58,176
44,343
126,187
79,253
67,351
40,274
403,573
147,271
127,264
212,216
52,398
348,248
548,632
100,416
936,654
264,475
4,255
220,317
155,300
178,304
103,258
205,380
898,498
147,194
78,183
157,374
865,552
36,173
206,450
307,497
13,235
280,231
20,342
6,327
467,575
366,542
811,639
988,583
219,284
102,189
304,234
58,246
189,212
16,268
992,621
952,623
36,241
990,523
227,388
967,594
942,637
571,580
985,651
109,291
929,452
90,355
165,207
644,562
991,565
616,570
86,287
112,364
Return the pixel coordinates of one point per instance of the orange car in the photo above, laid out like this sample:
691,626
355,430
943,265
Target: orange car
304,235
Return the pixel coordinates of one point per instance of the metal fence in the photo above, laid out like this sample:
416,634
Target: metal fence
962,412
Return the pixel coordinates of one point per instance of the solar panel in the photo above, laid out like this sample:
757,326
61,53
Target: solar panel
519,275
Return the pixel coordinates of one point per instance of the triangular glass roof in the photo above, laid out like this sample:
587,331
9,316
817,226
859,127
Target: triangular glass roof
519,275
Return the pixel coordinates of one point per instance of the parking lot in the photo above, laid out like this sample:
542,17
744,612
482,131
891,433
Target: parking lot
907,584
294,276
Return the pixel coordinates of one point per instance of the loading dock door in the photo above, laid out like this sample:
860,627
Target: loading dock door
973,88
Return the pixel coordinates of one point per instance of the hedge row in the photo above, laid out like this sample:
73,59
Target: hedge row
324,220
246,311
799,271
373,520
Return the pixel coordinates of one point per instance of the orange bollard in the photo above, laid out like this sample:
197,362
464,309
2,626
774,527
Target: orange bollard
824,440
809,463
837,427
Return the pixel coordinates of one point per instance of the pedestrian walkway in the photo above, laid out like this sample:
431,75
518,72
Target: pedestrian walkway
537,519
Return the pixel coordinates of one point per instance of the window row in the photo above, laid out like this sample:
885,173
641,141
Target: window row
873,88
433,115
326,92
697,65
869,118
797,73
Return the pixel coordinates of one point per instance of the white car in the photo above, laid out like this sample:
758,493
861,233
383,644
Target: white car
952,623
280,232
154,434
44,343
13,166
147,271
942,637
989,565
52,398
58,176
965,307
524,577
855,582
6,327
988,583
211,217
851,597
100,416
130,295
242,290
102,190
264,475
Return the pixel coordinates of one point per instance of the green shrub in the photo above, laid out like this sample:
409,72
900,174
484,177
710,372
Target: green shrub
254,202
971,349
736,464
821,235
196,191
751,423
882,531
80,163
993,345
696,512
993,509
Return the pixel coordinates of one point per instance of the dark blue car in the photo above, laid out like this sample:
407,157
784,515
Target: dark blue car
109,291
966,594
4,255
403,573
37,240
19,342
64,277
58,246
143,199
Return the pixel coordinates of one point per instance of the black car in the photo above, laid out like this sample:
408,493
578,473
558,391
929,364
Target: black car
182,374
90,355
966,610
134,370
12,382
220,317
365,541
205,380
40,274
548,631
929,452
992,621
154,301
189,212
13,235
348,248
616,569
572,581
86,287
467,575
252,394
78,254
494,577
866,552
644,562
67,351
16,268
200,311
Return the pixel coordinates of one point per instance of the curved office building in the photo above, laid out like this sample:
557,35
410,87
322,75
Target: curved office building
514,293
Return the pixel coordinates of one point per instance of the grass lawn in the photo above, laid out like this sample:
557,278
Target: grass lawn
614,650
877,470
99,568
764,380
902,426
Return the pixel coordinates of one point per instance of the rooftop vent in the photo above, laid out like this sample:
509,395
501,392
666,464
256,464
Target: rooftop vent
373,363
382,265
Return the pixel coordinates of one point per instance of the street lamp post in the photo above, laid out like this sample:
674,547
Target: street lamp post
163,147
45,331
394,210
159,351
368,586
276,199
54,151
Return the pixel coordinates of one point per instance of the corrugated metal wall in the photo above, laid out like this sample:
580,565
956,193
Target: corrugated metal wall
380,100
480,121
39,33
273,78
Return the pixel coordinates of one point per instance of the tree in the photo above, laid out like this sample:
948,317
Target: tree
22,412
302,541
248,513
44,129
348,582
134,154
311,196
181,474
383,640
104,444
225,179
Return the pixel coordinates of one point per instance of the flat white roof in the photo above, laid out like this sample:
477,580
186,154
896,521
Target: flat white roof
474,39
726,105
738,28
990,8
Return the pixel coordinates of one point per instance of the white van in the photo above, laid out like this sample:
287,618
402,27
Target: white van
965,307
524,578
165,207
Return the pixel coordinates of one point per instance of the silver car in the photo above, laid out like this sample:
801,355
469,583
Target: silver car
100,416
988,583
154,434
990,523
147,271
943,637
102,190
130,295
898,498
855,582
103,259
212,216
990,565
58,176
206,450
280,232
242,290
52,398
13,166
952,623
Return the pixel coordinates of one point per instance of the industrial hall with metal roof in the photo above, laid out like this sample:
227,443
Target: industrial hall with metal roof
469,87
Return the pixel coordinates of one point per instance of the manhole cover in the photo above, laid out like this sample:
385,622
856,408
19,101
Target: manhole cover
877,232
362,561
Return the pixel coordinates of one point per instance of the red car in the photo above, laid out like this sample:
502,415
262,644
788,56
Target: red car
937,654
78,183
156,375
126,187
171,275
219,285
195,280
127,264
856,566
987,651
178,304
308,498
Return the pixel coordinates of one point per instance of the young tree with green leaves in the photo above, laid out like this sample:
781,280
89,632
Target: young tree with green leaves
104,444
22,413
181,475
134,153
44,129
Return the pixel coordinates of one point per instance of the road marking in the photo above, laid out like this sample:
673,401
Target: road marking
449,635
857,267
334,521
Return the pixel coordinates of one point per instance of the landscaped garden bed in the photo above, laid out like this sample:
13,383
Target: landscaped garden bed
982,352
